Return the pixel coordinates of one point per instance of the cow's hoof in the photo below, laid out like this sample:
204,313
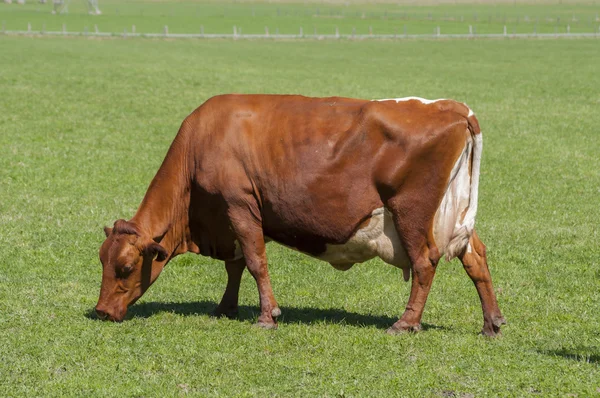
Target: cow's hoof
403,327
275,312
492,329
230,313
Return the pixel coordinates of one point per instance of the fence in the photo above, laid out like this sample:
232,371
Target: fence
237,34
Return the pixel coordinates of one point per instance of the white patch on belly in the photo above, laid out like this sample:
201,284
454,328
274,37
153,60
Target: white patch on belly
377,239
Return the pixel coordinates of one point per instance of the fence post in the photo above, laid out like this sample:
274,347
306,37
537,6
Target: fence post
64,28
28,27
301,32
234,32
337,33
370,31
438,31
202,30
96,28
124,32
133,29
471,30
353,32
44,28
85,30
267,31
276,32
166,30
315,31
405,32
504,30
568,29
3,26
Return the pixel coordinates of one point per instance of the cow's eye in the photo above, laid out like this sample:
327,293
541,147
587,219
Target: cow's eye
124,271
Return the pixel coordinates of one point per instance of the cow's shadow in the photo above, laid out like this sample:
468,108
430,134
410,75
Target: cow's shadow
579,354
303,315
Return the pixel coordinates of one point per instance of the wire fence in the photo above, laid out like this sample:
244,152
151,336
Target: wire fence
236,35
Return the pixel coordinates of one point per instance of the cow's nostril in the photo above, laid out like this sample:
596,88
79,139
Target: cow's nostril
103,315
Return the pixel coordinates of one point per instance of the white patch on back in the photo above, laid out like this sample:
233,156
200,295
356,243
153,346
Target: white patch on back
423,100
377,239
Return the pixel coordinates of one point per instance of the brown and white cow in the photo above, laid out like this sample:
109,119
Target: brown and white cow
343,180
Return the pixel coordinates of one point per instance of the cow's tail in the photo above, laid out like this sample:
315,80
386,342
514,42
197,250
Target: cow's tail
465,225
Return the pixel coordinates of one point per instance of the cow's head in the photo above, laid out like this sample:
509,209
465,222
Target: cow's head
131,262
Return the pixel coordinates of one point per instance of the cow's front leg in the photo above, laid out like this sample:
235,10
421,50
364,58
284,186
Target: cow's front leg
250,235
229,303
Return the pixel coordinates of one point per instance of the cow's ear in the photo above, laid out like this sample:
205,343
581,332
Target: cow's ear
107,231
156,250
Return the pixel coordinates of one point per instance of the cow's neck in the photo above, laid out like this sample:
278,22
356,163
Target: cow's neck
163,214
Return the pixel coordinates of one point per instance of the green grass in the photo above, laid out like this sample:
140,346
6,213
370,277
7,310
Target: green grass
84,125
188,16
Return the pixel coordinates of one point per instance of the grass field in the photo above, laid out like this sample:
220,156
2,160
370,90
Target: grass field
85,123
189,16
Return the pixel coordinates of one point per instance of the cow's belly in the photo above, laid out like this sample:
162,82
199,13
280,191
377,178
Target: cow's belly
376,238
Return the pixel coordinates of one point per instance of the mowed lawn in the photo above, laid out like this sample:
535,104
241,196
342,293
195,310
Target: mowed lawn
85,124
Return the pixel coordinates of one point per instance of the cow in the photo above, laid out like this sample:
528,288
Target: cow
342,180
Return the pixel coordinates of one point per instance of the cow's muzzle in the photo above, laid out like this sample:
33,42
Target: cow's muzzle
105,315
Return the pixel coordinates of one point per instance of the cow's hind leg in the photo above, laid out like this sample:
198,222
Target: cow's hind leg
250,235
229,303
414,229
424,260
475,263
